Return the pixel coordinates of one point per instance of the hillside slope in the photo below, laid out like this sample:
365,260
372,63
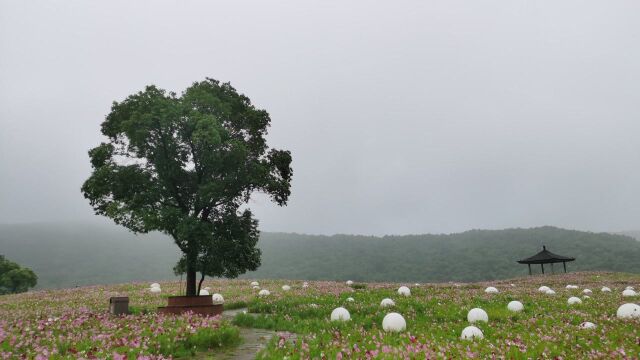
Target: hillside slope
67,255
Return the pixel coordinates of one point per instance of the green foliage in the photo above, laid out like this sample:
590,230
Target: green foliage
184,166
14,278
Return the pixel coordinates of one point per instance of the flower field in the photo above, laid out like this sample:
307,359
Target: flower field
74,323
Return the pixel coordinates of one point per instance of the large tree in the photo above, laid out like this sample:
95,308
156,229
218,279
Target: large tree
14,278
186,166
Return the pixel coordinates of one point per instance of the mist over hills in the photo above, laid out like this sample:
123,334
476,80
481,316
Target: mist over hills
67,255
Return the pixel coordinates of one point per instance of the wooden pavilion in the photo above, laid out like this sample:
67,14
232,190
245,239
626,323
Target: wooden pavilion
546,257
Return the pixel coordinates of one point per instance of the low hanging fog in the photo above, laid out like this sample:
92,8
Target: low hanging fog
402,117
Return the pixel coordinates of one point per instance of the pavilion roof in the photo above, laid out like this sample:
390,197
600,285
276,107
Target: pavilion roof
545,257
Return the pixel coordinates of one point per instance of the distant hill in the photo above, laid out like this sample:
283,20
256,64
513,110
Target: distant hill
634,234
66,255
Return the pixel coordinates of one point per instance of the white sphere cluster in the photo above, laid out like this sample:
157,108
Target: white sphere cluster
477,314
286,287
394,322
629,288
550,292
349,282
587,325
155,290
154,285
574,301
203,292
491,290
515,306
544,289
350,299
587,291
217,298
255,283
264,292
571,287
340,314
471,332
404,291
605,289
629,292
628,311
387,303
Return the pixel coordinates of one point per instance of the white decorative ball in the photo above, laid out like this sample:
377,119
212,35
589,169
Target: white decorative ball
629,288
629,292
570,287
255,283
394,322
387,302
550,292
477,314
471,332
349,282
350,299
256,287
587,325
154,285
264,292
340,314
404,291
217,299
286,287
574,300
155,290
515,306
628,311
587,292
605,289
544,289
204,292
491,290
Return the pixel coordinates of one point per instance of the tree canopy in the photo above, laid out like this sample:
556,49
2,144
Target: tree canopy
186,166
14,278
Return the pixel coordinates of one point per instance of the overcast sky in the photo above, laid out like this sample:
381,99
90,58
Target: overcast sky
402,116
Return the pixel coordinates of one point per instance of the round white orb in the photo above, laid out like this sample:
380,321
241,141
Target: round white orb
204,292
629,288
628,311
605,289
350,299
286,287
629,292
155,290
574,300
570,287
387,303
587,325
217,298
264,292
515,306
154,285
544,289
255,283
349,282
491,290
587,291
471,332
477,314
340,314
404,291
550,292
256,287
394,322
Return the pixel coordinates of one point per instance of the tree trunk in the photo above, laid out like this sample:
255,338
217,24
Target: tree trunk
200,283
191,275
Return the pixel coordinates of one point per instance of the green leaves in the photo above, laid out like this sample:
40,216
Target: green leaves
14,278
184,165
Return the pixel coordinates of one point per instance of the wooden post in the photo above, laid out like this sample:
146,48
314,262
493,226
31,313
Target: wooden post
542,266
529,269
564,263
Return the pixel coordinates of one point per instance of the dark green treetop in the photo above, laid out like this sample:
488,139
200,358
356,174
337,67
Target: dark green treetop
14,278
185,166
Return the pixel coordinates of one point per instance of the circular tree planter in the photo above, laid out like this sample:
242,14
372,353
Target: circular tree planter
201,305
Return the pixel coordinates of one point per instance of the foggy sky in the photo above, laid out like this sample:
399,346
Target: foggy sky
402,116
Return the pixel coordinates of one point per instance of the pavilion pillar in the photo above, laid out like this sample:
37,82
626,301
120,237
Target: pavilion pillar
564,263
542,266
529,269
